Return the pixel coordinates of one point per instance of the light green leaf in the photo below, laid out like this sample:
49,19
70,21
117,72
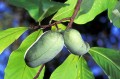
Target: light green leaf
98,7
83,70
8,36
16,67
114,14
67,70
38,9
67,11
108,59
72,68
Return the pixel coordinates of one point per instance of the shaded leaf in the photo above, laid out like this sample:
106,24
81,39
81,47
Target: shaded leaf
16,67
8,36
108,59
114,14
38,9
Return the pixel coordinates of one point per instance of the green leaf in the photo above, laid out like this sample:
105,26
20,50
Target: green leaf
16,67
67,11
114,14
98,7
108,59
72,68
38,9
8,36
67,70
83,70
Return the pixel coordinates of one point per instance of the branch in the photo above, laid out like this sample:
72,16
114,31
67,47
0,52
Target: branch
77,8
37,75
49,25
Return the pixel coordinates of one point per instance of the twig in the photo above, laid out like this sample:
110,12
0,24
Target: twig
37,75
49,25
77,8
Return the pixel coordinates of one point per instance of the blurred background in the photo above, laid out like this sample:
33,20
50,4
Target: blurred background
99,32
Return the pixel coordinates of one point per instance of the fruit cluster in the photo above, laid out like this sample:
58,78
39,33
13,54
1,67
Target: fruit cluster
50,43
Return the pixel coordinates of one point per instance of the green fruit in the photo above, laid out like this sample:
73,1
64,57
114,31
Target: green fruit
74,42
44,49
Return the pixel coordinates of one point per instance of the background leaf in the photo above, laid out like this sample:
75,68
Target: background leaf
114,14
8,36
108,59
72,68
16,67
38,9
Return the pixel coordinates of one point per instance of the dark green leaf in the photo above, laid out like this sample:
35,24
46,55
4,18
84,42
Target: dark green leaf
8,36
38,9
108,59
16,67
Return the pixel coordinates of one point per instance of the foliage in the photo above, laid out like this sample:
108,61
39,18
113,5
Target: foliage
76,65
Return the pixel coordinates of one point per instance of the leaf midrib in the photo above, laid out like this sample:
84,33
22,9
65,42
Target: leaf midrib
106,58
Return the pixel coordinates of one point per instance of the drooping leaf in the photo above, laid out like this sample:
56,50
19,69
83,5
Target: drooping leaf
72,68
108,59
16,67
67,11
114,14
38,9
83,70
8,36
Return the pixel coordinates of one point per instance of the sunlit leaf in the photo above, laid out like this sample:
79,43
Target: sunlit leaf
68,10
8,36
74,67
16,67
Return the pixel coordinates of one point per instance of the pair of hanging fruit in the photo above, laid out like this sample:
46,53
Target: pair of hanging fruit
50,43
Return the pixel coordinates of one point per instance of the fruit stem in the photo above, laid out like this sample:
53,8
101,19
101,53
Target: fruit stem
38,73
77,8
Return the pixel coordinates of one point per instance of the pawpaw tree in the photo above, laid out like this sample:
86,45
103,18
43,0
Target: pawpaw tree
28,61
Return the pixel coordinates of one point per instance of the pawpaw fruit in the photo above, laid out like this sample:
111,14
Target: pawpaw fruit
74,42
44,49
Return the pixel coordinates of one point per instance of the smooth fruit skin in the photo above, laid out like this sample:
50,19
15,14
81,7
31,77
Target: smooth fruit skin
74,42
44,49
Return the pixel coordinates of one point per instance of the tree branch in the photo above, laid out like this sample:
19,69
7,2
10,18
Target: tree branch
77,8
37,75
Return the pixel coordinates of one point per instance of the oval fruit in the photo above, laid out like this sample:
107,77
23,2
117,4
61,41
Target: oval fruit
44,49
74,42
